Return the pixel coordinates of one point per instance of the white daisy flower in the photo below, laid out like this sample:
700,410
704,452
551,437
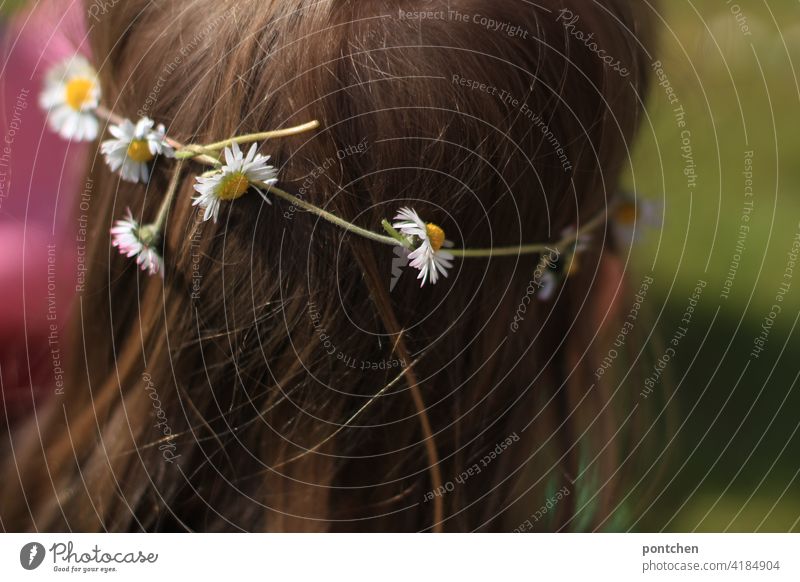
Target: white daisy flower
141,242
633,216
570,258
239,173
71,94
428,256
134,147
547,285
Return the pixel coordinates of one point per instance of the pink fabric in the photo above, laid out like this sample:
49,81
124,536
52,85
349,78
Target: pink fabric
40,176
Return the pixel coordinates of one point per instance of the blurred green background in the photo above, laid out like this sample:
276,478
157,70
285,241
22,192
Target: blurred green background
9,7
734,67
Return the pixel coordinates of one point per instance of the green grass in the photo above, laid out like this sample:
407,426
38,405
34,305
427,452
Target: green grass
739,94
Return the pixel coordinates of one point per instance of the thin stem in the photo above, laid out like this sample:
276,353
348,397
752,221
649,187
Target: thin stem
395,235
397,238
189,155
597,220
263,136
198,153
212,150
107,115
110,117
169,197
195,153
533,248
499,251
324,214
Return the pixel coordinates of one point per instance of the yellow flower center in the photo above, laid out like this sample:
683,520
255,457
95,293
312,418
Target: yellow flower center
139,151
233,186
573,267
626,213
79,92
435,235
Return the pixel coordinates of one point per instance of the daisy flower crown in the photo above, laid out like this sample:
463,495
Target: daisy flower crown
72,98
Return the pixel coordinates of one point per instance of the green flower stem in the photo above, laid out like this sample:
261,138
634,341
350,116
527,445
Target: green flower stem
597,220
263,136
212,150
395,235
169,197
106,115
201,153
324,214
534,248
198,153
500,251
185,155
110,117
396,238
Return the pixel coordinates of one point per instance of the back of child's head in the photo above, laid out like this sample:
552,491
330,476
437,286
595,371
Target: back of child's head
307,381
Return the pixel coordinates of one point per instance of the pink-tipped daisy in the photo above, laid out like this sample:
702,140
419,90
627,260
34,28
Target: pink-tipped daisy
134,240
429,240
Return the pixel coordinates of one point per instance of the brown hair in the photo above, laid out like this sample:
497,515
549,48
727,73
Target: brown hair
272,381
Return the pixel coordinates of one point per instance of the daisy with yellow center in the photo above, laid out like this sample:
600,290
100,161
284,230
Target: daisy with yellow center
632,217
429,240
71,95
134,147
570,258
79,92
239,174
140,241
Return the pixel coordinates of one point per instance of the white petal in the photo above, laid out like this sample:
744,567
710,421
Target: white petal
251,154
